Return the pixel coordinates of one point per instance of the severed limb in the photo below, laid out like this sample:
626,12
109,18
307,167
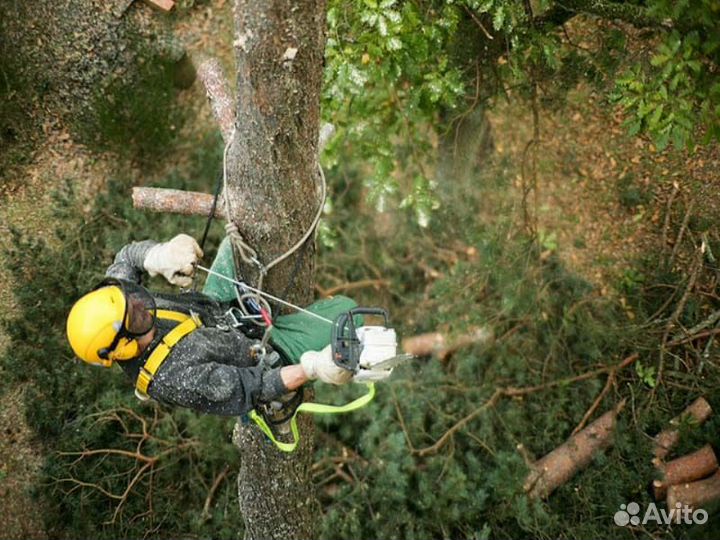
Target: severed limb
560,465
698,411
695,494
440,345
685,469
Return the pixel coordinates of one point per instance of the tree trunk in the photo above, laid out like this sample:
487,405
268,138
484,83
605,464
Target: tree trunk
272,197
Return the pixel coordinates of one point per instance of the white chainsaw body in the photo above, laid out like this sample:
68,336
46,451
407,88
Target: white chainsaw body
379,346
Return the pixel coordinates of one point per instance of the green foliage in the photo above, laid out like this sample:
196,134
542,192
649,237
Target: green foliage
548,324
675,92
401,75
388,76
646,374
669,99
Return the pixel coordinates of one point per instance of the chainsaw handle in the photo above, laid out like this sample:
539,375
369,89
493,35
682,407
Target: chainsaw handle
381,312
345,345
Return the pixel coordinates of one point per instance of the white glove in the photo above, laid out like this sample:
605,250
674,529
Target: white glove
320,365
175,260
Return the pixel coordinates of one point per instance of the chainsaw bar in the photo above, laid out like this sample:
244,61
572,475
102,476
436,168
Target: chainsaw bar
391,362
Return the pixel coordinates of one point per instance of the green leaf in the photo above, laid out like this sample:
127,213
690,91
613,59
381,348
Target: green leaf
662,139
633,127
655,116
659,59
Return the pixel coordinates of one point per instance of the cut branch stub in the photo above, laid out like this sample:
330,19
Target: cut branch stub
698,411
560,465
218,92
175,201
685,469
165,6
695,494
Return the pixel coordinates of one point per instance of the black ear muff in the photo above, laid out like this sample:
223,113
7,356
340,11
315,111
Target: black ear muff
103,353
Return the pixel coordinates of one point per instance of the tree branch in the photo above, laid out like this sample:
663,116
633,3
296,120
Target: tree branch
560,465
218,92
688,468
511,391
698,411
175,201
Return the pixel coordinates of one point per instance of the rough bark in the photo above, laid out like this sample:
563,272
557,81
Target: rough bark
273,157
271,193
175,201
698,411
695,494
684,469
560,465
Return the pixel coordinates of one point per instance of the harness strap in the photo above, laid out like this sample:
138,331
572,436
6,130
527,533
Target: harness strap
188,323
314,408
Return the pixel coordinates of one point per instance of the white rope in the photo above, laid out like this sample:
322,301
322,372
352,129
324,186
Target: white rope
263,293
247,253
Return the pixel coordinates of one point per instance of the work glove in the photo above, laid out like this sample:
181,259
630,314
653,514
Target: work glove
320,365
175,260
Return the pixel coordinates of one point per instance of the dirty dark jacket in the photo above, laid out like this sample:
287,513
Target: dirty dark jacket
210,370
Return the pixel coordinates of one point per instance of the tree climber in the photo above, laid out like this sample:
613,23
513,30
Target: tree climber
181,349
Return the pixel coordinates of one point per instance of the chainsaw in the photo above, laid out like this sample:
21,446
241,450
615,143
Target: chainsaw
370,352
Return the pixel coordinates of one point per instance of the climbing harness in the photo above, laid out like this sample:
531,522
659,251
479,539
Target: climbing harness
314,408
187,324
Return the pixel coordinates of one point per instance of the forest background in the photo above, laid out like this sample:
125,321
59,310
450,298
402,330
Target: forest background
544,172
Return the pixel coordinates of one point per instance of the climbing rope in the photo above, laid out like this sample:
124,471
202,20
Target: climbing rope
246,252
265,294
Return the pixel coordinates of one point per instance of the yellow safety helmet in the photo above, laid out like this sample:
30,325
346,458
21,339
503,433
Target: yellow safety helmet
103,325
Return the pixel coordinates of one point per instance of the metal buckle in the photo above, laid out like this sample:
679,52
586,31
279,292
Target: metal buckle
236,321
232,319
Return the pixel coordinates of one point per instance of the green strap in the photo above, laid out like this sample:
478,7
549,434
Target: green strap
314,408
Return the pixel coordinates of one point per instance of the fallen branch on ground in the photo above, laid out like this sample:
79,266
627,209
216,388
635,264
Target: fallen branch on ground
698,411
695,494
560,465
608,384
688,468
511,391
